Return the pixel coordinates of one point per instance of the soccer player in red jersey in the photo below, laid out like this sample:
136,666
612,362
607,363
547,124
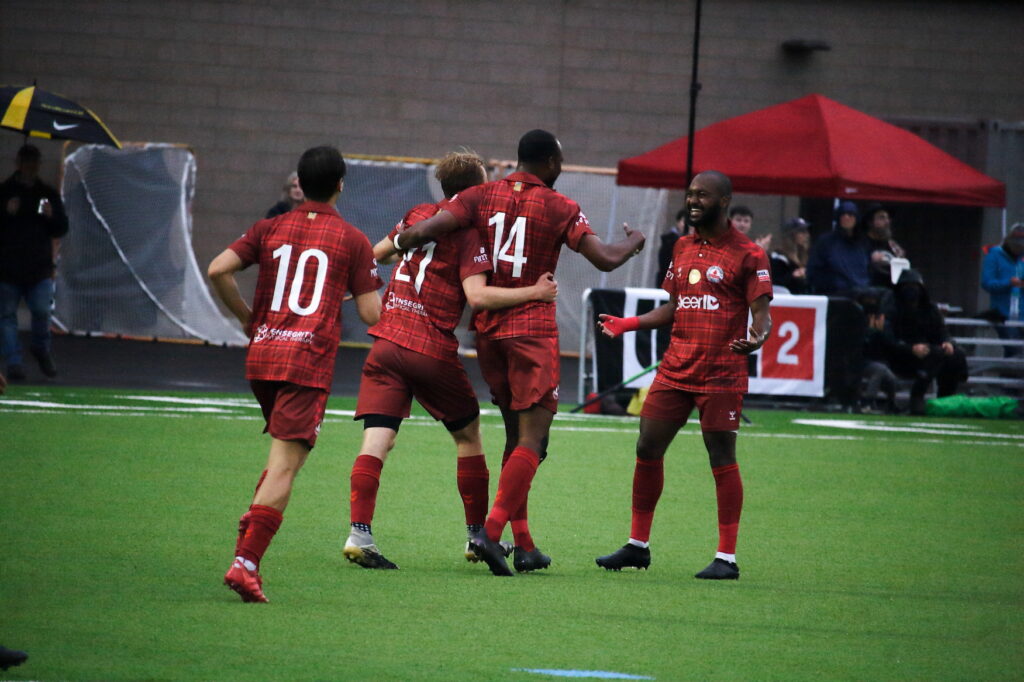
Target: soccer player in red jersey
717,274
415,354
308,259
523,223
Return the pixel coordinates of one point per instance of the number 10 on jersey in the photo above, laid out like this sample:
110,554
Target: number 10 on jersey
515,243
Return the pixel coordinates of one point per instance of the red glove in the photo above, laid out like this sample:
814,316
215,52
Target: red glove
617,326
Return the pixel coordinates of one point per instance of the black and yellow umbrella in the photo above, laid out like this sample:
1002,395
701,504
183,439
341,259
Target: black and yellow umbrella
38,113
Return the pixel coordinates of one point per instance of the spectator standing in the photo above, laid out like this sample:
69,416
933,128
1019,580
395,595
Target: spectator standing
32,221
1002,275
789,261
742,218
668,241
922,348
882,248
838,264
291,196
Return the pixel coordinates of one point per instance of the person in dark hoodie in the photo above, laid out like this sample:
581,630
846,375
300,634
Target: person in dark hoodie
838,264
922,347
882,248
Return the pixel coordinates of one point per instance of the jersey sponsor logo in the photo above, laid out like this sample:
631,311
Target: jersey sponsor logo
373,270
482,258
715,274
763,276
265,333
406,304
703,302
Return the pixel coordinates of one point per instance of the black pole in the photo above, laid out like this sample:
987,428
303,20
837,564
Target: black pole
694,89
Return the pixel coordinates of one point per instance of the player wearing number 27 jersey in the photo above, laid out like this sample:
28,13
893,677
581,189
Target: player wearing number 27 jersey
415,355
523,222
308,259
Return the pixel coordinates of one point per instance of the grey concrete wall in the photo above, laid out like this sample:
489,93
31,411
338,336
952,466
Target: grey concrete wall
249,85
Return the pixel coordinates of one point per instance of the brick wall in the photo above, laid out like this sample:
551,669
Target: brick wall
250,86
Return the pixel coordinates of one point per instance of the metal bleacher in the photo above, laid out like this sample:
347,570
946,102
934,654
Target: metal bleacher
988,371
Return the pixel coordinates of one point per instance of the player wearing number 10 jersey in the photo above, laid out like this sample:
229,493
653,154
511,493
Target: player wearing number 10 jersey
415,355
308,259
523,223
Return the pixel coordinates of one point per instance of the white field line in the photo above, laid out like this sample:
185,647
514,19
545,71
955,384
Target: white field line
859,425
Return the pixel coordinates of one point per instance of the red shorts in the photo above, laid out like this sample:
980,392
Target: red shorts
292,412
522,371
718,411
393,376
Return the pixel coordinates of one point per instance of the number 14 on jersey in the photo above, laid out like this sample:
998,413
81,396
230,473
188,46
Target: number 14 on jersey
514,243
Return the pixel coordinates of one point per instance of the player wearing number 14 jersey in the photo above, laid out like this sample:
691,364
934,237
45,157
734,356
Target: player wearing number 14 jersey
415,356
523,224
308,259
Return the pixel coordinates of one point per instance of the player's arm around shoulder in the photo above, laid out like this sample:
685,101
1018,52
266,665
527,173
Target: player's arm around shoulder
482,296
363,278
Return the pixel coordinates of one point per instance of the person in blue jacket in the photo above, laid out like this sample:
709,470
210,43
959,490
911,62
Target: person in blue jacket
1002,273
838,264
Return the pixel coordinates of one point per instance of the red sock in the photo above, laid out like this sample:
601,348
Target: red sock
648,481
263,524
473,479
365,481
729,491
520,525
513,487
521,528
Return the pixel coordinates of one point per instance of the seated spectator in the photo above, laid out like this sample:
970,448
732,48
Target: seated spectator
881,246
291,197
1002,273
668,242
789,261
742,218
875,374
838,264
922,349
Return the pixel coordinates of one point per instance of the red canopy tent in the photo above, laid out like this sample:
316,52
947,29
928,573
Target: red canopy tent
817,147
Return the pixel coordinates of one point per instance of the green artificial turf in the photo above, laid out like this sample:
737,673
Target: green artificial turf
864,554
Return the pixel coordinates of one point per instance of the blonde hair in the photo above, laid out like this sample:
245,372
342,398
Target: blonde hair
459,170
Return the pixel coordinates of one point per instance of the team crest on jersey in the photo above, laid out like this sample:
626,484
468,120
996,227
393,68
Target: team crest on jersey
715,274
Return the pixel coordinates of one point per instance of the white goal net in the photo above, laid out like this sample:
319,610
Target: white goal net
126,265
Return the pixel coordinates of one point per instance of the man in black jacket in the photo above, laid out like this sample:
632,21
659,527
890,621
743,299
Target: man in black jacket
32,221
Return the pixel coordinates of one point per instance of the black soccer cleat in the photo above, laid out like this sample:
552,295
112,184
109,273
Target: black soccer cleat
534,560
625,557
720,569
10,658
491,552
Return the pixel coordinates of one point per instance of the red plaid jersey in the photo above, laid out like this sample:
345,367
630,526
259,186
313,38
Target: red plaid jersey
424,300
523,224
308,258
714,283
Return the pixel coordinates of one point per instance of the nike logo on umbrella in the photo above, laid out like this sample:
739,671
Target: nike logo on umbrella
57,126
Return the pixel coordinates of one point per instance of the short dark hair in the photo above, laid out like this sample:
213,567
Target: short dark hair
723,182
458,171
320,170
29,152
740,210
537,146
